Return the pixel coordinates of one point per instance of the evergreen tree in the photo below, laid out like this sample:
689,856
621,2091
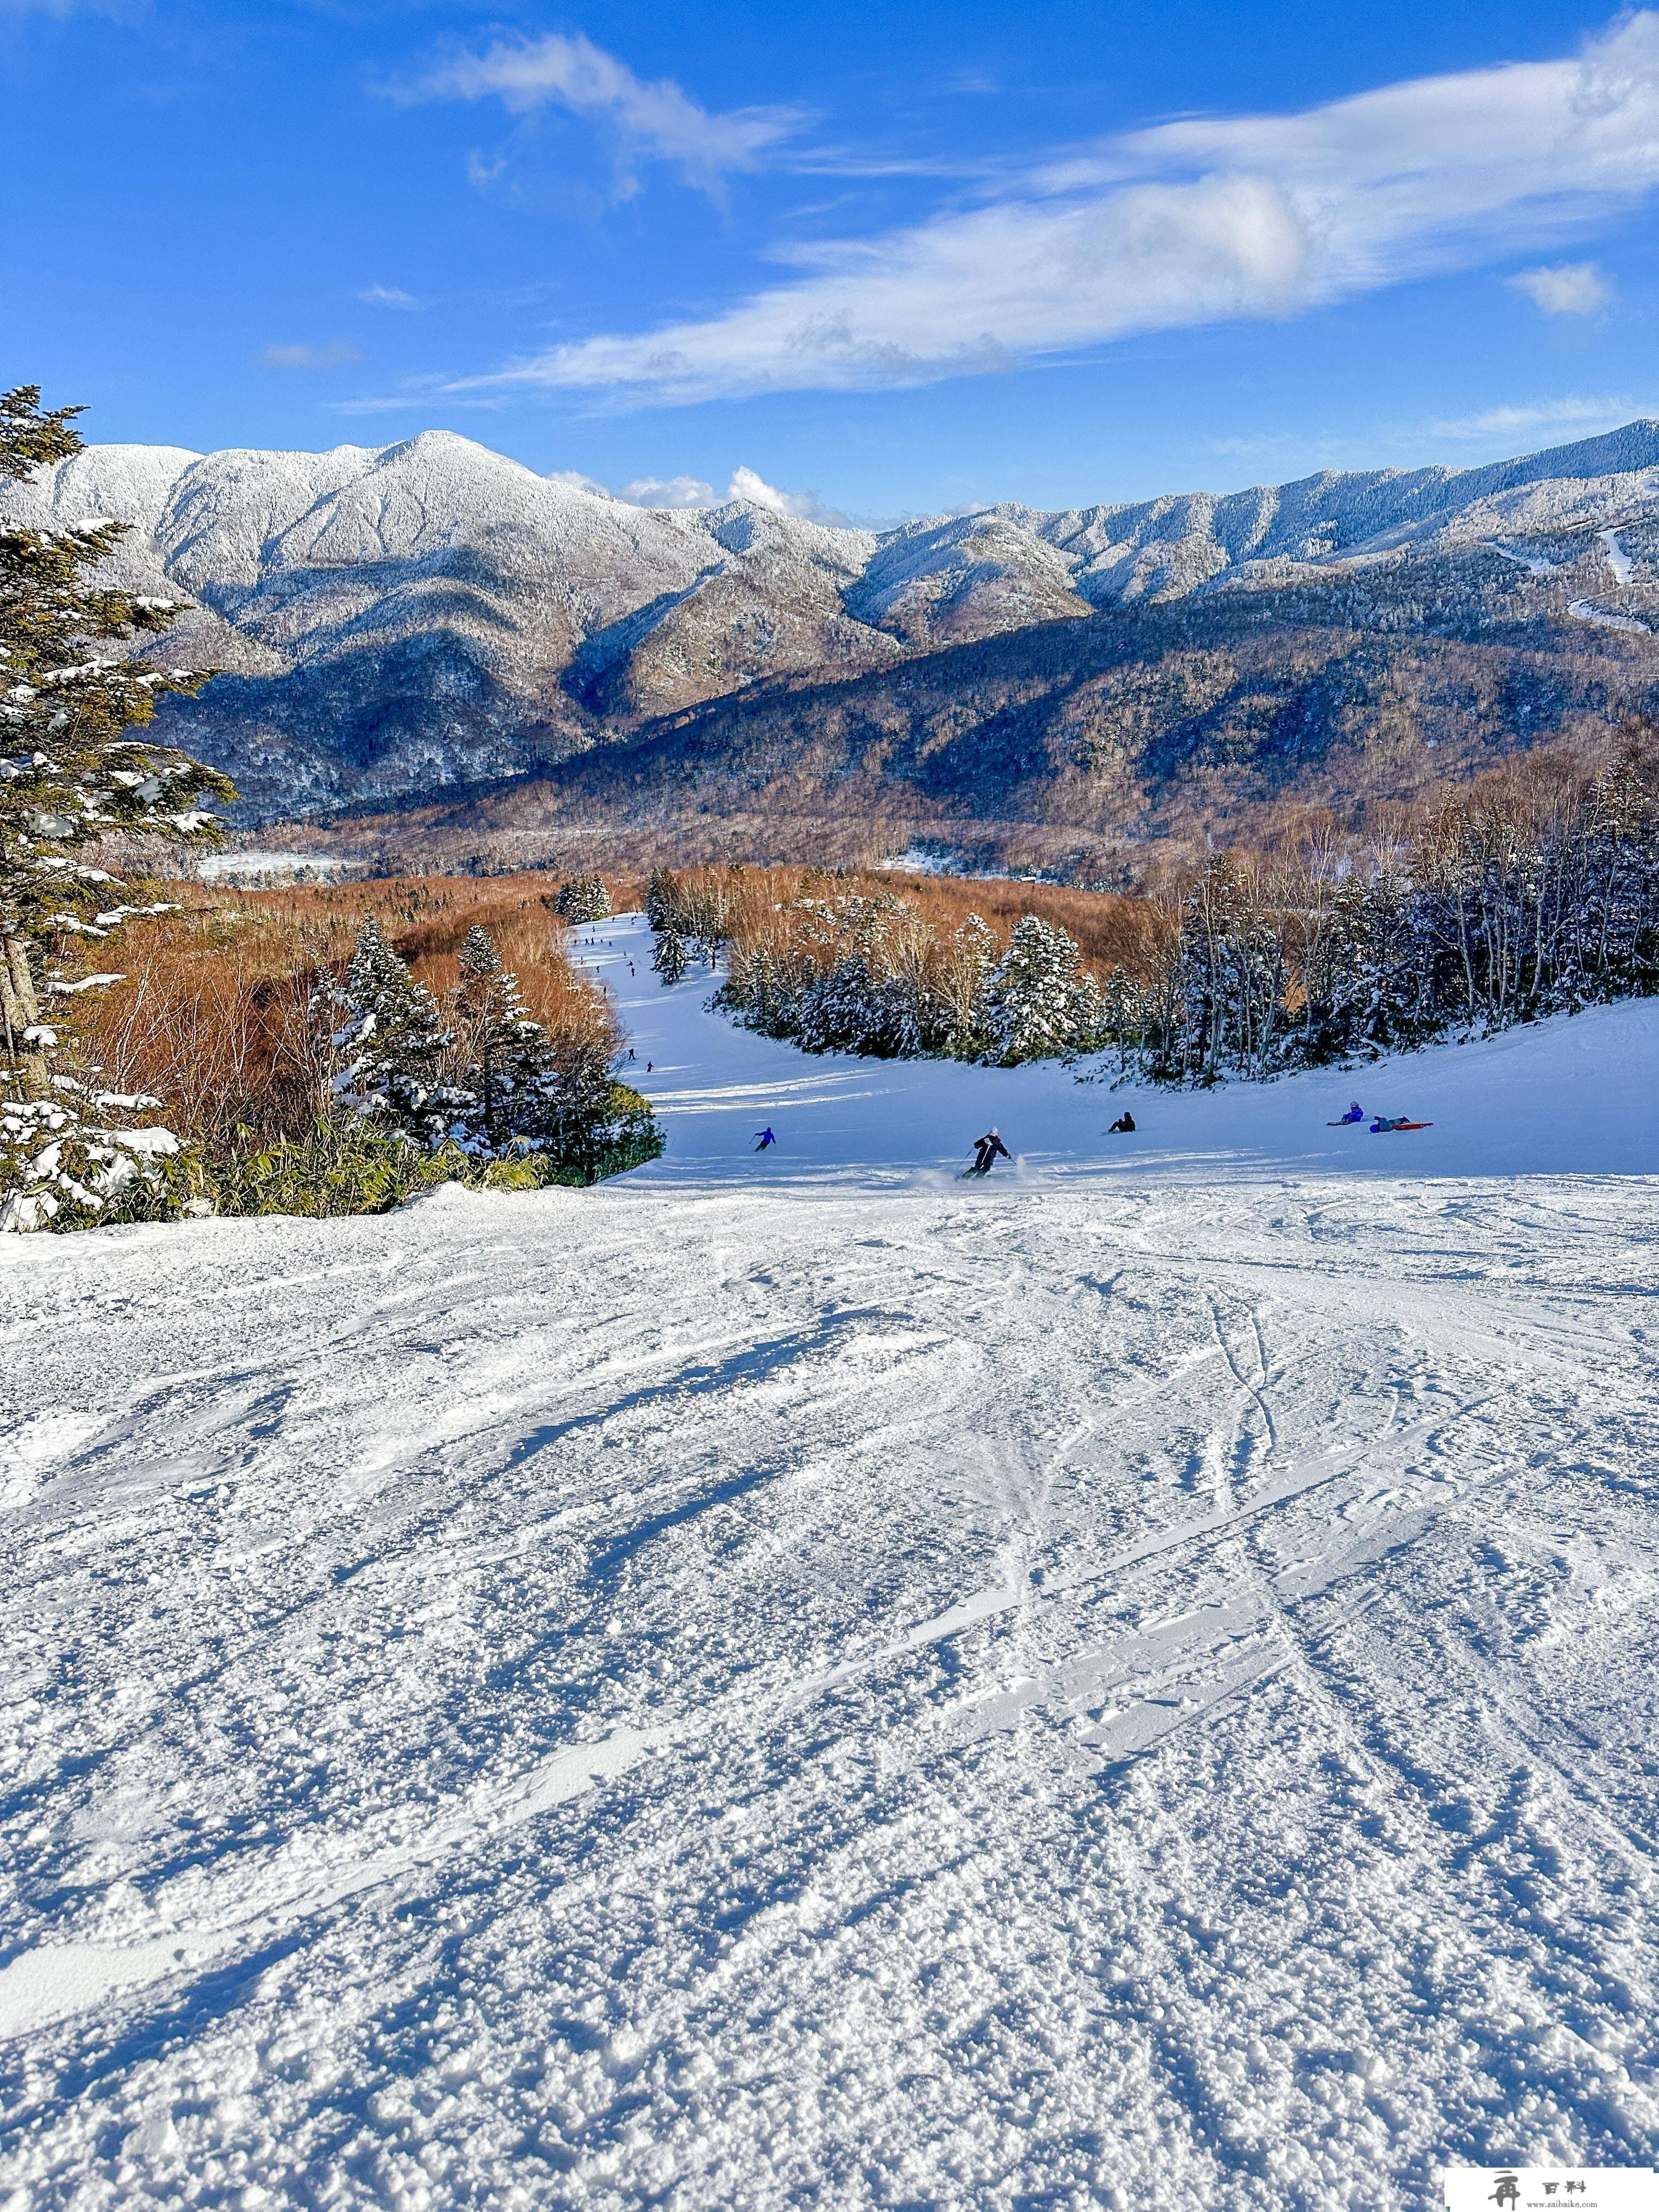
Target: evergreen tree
507,1071
74,768
664,908
1037,1007
584,898
391,1043
964,984
671,956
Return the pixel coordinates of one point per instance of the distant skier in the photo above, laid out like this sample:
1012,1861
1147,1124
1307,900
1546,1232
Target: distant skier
988,1150
1124,1126
766,1138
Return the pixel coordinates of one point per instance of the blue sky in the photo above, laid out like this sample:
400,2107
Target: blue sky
891,258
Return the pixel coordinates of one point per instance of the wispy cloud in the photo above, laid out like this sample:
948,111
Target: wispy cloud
1570,287
1534,417
654,121
1200,220
386,295
337,355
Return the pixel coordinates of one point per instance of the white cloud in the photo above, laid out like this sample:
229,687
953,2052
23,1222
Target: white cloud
1570,287
669,491
386,295
573,480
480,172
745,485
656,121
1202,220
689,494
1572,414
337,355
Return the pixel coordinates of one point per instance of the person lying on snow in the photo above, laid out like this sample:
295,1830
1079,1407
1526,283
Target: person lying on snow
1384,1122
1124,1126
987,1150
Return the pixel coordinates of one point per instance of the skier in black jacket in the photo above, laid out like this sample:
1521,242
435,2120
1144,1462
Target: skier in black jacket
987,1150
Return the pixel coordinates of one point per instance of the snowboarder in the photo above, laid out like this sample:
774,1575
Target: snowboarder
987,1150
766,1138
1355,1113
1124,1126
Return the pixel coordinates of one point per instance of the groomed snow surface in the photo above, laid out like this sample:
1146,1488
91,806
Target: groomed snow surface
801,1681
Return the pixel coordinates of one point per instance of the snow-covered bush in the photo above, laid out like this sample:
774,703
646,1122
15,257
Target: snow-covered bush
69,1161
584,898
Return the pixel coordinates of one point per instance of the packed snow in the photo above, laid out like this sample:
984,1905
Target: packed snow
1587,610
1618,560
797,1679
233,868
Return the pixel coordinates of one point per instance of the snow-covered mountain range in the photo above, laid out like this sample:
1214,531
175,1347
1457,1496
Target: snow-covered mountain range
392,621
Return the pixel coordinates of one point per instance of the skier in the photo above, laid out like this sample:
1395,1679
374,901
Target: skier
766,1138
988,1150
1124,1126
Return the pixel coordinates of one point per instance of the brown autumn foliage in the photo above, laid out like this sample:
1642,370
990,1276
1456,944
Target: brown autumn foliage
1112,931
214,1016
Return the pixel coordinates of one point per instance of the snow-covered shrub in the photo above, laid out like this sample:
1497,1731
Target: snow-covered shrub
69,1161
584,898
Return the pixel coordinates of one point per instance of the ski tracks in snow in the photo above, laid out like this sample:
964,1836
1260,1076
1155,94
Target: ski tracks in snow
656,1695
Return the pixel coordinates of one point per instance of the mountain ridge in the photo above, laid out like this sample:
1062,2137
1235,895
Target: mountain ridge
396,621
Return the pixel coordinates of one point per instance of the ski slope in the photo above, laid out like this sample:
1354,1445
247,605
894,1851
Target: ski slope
799,1681
1567,1097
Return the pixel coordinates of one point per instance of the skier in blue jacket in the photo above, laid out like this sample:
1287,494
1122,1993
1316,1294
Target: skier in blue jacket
766,1138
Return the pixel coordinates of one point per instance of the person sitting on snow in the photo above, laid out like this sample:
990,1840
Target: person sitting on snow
1355,1113
1124,1126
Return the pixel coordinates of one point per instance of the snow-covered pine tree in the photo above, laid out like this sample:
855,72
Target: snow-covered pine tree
964,975
670,955
584,898
73,769
1035,1006
391,1043
507,1067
